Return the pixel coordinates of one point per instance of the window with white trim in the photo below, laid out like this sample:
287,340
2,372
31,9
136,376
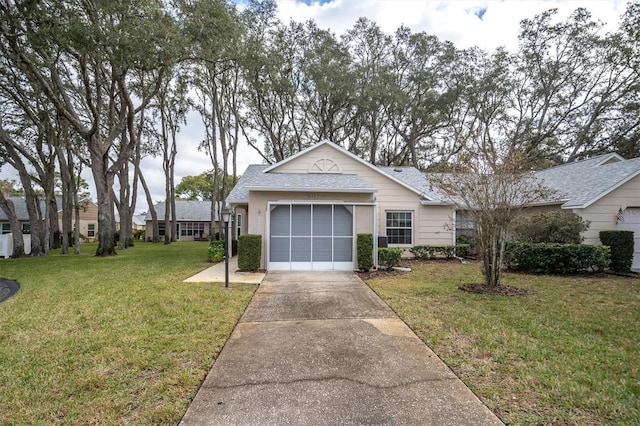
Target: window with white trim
26,228
91,230
399,225
5,229
238,225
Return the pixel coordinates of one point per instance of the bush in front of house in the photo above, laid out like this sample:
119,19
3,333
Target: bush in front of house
621,244
365,252
424,252
554,226
467,246
389,257
216,251
249,252
554,258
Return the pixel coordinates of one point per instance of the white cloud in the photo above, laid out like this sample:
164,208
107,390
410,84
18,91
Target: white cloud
454,20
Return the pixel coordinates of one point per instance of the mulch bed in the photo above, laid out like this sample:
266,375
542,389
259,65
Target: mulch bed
7,288
503,290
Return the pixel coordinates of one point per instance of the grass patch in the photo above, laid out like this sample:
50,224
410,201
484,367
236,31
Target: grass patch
566,354
114,340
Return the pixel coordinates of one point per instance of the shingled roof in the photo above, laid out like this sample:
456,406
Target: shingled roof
581,183
253,179
194,211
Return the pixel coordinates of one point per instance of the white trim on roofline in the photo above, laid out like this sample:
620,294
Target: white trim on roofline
602,194
311,189
610,157
436,203
348,153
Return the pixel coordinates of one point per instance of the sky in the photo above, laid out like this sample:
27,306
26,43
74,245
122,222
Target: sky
466,23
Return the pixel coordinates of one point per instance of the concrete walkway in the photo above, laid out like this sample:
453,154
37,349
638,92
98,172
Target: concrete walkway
215,274
321,348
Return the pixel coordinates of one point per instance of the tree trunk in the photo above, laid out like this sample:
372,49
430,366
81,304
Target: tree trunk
7,207
106,224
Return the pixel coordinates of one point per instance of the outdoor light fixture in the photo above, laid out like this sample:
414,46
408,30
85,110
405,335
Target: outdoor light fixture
226,217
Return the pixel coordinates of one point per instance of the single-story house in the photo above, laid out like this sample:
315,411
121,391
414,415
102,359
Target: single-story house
193,220
138,221
310,207
604,190
88,217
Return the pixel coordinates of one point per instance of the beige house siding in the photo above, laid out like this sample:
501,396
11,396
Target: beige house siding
88,215
435,225
602,213
431,224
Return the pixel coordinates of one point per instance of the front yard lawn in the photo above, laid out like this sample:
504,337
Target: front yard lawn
566,354
114,340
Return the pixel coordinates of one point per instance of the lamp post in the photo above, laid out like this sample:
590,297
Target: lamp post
226,217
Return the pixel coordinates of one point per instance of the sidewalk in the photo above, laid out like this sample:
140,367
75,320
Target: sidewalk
215,274
324,349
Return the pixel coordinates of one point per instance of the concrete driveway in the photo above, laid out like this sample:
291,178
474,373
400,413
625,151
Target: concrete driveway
321,348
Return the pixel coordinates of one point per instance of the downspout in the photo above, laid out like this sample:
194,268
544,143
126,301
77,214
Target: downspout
375,231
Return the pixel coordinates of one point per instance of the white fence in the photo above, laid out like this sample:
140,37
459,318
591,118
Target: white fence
6,244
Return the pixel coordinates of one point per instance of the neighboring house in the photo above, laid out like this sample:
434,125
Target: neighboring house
138,221
597,189
88,217
193,220
310,207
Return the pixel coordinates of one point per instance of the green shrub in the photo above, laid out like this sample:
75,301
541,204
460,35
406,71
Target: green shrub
138,234
554,258
424,252
389,257
621,244
554,226
216,251
249,252
365,252
469,243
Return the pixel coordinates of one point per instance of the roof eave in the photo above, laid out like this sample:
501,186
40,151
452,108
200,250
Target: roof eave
436,203
312,189
602,194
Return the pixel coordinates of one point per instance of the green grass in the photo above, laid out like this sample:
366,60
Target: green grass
567,354
114,340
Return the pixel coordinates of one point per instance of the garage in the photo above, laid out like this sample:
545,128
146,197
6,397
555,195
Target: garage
310,237
632,223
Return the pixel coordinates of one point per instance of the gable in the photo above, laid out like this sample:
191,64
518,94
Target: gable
326,157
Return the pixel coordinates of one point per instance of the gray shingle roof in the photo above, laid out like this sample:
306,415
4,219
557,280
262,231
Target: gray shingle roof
20,205
255,180
577,184
416,179
582,182
195,211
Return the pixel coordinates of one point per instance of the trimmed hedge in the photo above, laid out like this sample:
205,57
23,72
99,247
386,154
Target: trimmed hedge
365,252
555,258
389,257
621,244
431,252
249,252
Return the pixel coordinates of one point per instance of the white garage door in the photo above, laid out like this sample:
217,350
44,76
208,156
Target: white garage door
310,237
632,223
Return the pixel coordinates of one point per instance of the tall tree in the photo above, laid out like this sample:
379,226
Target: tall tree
425,94
80,54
